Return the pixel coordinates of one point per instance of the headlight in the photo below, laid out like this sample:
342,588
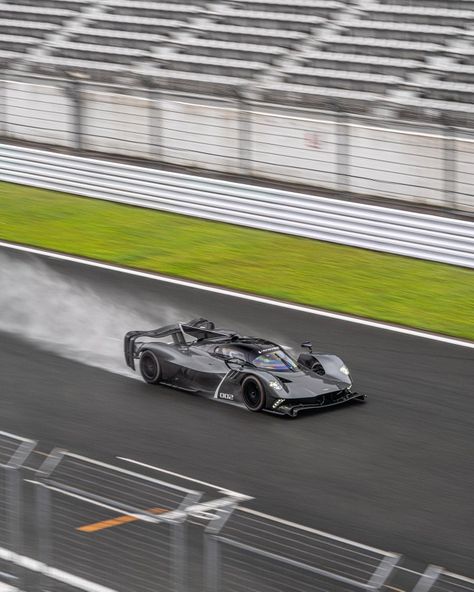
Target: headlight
277,403
344,369
275,384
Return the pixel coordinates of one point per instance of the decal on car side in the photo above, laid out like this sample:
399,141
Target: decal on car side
216,394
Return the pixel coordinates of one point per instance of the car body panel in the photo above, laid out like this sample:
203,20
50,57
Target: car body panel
214,363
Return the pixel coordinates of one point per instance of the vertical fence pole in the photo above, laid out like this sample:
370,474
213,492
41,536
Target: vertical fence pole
428,579
13,494
179,556
75,92
155,122
211,563
449,160
245,137
44,526
3,107
343,151
212,549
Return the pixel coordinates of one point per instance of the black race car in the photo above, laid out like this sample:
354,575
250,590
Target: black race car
254,372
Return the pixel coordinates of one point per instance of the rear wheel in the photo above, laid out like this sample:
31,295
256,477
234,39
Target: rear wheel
150,367
253,394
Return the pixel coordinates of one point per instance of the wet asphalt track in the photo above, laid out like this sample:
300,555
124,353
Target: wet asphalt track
396,473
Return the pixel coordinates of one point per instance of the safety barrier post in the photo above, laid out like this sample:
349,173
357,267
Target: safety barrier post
14,452
450,165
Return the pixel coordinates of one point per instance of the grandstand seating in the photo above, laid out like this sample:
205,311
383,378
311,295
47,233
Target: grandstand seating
354,52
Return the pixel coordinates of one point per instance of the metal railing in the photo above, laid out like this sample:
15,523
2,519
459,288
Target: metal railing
251,551
434,238
13,453
83,506
103,528
436,579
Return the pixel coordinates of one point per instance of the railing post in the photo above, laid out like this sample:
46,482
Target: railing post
155,121
343,151
245,136
179,555
211,563
428,579
449,161
13,495
212,549
3,107
43,523
75,93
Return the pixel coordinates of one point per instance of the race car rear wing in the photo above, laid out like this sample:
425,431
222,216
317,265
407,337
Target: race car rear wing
132,336
197,328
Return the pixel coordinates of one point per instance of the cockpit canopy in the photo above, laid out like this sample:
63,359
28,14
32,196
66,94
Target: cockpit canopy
276,361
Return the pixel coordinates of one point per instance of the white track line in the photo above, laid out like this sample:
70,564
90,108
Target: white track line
51,572
241,295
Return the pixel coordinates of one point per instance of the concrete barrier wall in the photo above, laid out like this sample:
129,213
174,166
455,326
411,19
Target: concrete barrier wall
200,135
295,149
115,123
398,164
38,113
415,163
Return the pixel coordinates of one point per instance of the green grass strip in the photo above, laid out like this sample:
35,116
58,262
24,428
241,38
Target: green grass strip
419,294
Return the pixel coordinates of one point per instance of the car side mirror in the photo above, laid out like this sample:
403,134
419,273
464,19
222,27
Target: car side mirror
308,345
235,363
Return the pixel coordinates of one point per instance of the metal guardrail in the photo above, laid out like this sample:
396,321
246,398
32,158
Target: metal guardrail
436,579
411,234
103,528
13,453
250,551
81,505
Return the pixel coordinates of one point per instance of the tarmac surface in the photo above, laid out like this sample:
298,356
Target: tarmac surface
396,473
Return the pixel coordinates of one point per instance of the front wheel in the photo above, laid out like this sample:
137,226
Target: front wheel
150,367
253,394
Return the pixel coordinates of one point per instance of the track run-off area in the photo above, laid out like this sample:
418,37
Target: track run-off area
395,473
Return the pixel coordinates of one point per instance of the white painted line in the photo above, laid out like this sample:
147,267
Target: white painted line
17,438
241,295
7,588
216,392
52,572
185,477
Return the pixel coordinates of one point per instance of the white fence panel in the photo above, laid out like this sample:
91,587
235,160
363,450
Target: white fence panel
38,113
114,123
398,164
295,149
200,136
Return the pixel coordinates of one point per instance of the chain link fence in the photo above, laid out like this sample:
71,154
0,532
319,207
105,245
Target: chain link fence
336,152
250,551
102,528
124,530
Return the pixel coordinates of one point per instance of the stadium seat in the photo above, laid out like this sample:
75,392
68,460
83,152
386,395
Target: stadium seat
304,51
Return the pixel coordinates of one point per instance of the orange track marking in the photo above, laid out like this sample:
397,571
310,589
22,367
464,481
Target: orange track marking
96,526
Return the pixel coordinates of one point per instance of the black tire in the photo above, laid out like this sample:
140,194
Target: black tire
150,367
253,394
